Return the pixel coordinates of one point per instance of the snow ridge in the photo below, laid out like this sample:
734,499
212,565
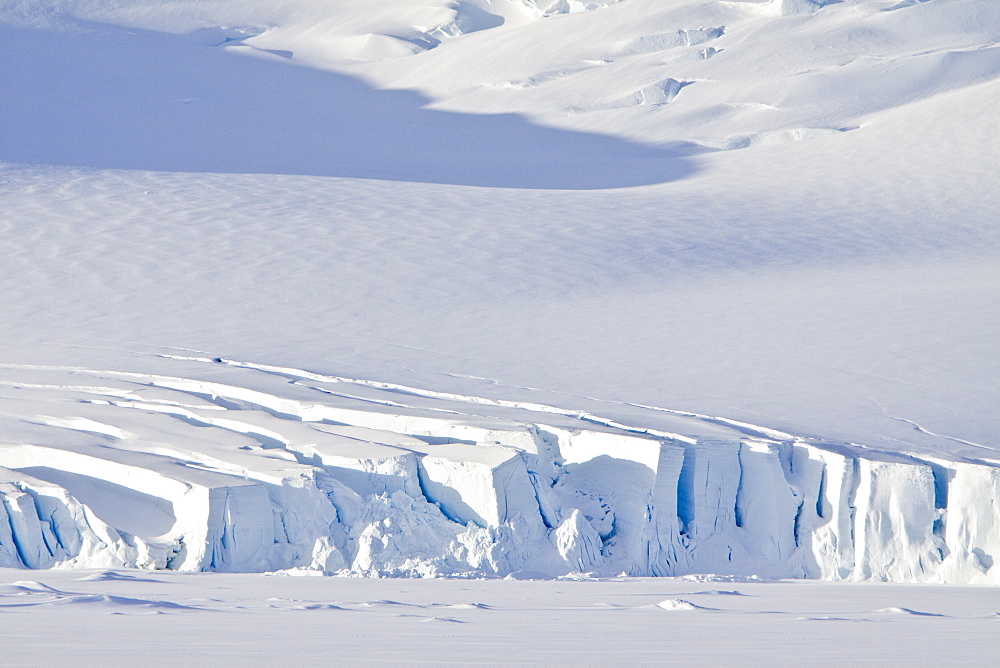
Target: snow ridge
237,466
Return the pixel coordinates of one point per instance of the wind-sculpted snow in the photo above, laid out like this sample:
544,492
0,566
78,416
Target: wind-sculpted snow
282,616
235,466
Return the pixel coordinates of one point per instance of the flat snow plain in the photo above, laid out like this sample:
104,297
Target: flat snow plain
232,619
774,220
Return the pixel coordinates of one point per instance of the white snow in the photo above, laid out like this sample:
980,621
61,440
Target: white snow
168,617
502,288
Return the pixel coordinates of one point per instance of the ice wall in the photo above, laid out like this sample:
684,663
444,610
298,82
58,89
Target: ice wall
157,472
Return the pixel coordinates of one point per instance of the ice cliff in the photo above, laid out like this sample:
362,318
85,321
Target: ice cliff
242,467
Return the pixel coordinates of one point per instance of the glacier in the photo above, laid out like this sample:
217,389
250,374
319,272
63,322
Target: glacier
559,331
504,288
242,467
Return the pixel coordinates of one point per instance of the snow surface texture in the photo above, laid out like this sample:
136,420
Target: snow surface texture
238,619
691,287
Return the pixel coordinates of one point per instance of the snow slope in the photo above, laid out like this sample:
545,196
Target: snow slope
755,241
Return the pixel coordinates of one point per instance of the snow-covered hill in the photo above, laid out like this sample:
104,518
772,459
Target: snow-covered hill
502,287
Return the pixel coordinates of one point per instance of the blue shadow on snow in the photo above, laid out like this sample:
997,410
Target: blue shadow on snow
111,98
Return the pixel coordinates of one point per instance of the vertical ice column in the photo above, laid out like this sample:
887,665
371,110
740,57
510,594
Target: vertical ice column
738,513
706,503
971,517
485,485
25,540
488,486
869,515
827,481
626,488
666,553
42,525
894,524
768,509
226,528
9,553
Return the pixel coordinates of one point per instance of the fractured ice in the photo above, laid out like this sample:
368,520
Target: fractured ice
273,469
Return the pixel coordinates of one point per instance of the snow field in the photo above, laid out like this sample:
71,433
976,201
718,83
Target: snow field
238,618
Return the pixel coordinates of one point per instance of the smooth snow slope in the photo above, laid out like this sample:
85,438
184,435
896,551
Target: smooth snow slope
781,213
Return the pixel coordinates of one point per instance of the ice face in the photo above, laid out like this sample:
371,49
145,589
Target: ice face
254,474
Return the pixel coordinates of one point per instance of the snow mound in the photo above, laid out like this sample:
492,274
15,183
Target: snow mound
112,576
678,605
26,587
117,602
907,611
